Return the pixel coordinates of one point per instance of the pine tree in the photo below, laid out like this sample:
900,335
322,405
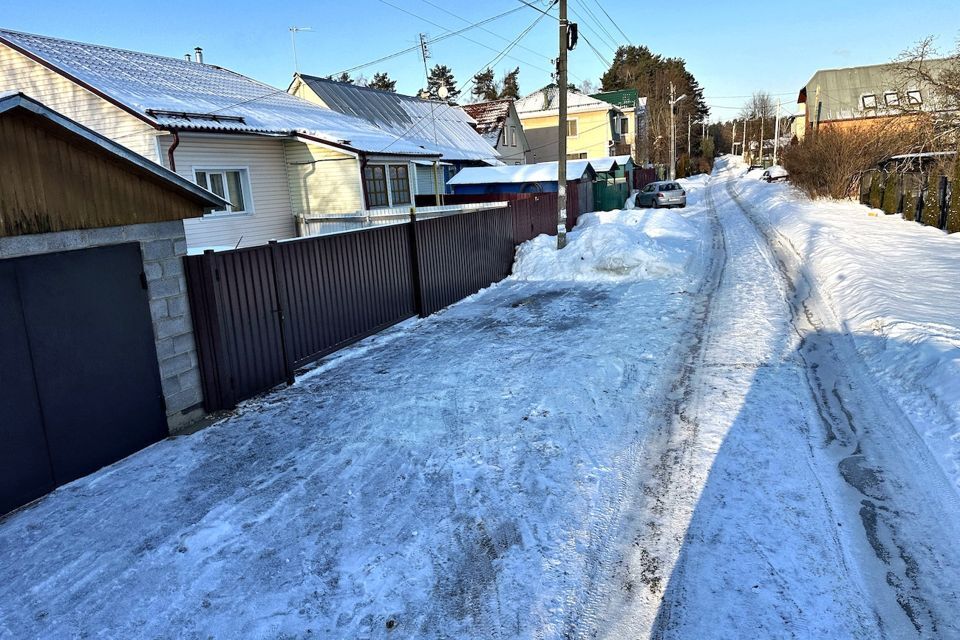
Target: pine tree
343,77
441,75
510,86
484,86
382,82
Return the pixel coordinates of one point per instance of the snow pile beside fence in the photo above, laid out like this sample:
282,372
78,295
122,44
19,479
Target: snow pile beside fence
613,246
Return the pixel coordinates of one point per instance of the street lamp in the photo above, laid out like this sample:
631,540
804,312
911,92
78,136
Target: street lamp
673,133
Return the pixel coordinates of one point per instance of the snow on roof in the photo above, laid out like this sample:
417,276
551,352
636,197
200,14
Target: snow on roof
178,94
14,100
604,164
545,102
436,125
490,117
540,172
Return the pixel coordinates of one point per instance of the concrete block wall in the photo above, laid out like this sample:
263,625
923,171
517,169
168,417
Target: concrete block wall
163,246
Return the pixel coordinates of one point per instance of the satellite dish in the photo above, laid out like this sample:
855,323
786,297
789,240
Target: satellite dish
443,92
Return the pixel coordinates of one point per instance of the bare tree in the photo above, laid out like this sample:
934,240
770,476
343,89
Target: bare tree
929,86
760,105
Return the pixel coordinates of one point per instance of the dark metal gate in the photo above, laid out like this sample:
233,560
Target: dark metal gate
79,380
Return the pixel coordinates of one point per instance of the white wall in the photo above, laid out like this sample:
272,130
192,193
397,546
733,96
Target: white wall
264,158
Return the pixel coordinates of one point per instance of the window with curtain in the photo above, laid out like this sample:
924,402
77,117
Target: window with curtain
232,185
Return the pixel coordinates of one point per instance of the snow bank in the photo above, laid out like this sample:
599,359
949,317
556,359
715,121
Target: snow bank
894,284
613,246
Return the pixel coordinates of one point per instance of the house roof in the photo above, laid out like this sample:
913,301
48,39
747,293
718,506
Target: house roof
435,125
11,102
545,102
623,98
173,93
513,174
490,117
604,164
842,90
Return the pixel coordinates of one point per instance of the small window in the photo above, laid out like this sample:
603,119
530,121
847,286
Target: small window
576,156
891,99
399,184
230,184
914,97
624,126
375,177
513,136
571,128
869,101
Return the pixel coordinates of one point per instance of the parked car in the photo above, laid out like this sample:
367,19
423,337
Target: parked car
662,194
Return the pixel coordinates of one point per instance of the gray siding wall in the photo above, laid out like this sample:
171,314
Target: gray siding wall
163,246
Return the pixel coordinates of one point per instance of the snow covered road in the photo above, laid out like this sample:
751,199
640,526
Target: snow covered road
666,430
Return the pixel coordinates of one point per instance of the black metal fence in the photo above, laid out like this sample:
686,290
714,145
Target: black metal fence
261,312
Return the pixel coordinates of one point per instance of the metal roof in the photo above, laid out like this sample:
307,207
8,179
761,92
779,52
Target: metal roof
490,117
173,93
623,98
435,125
11,101
604,164
544,102
539,172
842,90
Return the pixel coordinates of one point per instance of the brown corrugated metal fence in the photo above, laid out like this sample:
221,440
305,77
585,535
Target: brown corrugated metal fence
262,312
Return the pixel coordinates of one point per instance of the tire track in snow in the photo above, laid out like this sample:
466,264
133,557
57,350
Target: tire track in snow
861,425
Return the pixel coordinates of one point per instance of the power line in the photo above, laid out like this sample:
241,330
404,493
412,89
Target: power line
598,28
495,34
443,36
460,31
587,40
626,38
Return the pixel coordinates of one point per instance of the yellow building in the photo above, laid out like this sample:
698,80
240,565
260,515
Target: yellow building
592,125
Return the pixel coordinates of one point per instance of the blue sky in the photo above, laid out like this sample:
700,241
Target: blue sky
733,47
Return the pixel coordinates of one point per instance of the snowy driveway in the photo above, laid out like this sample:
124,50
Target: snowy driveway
454,477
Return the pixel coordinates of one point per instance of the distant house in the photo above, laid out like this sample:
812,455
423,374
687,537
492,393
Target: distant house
427,124
632,127
529,178
868,95
592,125
498,122
273,156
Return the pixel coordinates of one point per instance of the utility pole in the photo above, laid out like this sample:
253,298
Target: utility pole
425,52
673,132
733,138
761,140
562,130
776,135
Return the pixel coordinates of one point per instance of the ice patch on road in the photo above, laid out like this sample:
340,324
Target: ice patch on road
613,246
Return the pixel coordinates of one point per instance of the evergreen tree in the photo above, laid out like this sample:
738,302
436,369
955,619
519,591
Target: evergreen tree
441,75
382,82
510,87
484,86
343,77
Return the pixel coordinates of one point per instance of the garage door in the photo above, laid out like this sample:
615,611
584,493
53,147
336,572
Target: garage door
79,381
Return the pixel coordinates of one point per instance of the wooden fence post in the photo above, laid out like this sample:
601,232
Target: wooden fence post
280,296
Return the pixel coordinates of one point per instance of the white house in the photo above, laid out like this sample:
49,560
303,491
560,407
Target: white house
275,157
498,122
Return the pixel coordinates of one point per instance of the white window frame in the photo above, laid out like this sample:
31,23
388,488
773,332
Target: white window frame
245,186
624,120
914,97
887,102
576,125
872,97
513,135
